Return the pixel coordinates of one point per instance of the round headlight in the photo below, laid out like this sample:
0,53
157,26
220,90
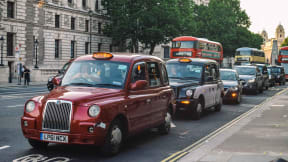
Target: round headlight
234,88
94,111
189,93
251,81
30,106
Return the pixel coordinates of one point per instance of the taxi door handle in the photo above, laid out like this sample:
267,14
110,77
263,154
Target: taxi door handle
148,100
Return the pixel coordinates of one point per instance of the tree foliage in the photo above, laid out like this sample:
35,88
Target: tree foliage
224,21
285,43
153,22
149,22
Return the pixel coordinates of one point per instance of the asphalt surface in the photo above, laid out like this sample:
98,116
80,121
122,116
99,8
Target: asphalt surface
147,146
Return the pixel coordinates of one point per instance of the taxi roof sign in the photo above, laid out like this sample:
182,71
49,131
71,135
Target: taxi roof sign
102,55
184,60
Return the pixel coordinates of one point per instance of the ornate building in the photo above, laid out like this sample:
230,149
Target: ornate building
267,46
47,33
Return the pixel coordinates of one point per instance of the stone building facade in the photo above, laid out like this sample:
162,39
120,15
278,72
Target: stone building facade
54,31
267,46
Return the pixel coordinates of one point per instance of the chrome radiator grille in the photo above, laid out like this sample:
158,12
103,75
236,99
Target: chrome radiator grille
57,116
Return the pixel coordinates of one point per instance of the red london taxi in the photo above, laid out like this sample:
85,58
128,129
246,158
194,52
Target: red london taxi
102,99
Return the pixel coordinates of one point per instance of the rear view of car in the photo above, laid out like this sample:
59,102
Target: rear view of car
278,72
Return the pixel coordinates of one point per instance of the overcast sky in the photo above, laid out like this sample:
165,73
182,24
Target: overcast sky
266,14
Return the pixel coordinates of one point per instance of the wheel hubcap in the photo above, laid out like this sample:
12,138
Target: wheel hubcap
199,108
167,120
116,136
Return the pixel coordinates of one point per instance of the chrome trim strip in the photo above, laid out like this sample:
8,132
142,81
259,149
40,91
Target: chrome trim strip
70,117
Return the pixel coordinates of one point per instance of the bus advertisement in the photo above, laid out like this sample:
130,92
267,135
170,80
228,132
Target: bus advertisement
192,47
247,55
283,59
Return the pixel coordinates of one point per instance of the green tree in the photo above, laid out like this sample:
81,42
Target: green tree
224,21
150,22
285,43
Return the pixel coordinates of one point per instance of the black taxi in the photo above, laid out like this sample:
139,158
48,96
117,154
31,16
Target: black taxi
196,83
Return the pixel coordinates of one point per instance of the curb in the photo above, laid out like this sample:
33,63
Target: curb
178,155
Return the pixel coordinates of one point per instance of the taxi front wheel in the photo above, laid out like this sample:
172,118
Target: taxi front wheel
219,105
38,144
165,127
197,110
114,139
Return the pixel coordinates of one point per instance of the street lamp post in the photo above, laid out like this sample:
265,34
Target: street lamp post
2,42
36,47
90,12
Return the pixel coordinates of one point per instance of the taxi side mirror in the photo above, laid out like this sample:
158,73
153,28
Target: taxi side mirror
139,84
57,81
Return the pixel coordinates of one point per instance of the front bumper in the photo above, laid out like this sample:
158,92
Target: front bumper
231,95
84,137
250,87
185,104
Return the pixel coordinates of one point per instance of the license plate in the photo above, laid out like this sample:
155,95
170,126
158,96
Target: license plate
54,138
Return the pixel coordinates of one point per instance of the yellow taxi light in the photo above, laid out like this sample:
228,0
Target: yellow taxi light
185,102
184,60
234,94
102,55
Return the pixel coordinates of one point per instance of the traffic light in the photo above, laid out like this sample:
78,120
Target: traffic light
41,3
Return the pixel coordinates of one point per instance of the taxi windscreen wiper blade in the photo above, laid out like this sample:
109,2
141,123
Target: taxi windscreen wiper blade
80,84
107,84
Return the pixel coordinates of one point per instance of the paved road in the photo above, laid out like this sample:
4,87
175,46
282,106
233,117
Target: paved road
148,146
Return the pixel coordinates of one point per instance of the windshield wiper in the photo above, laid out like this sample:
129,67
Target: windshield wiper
174,77
106,84
192,78
84,84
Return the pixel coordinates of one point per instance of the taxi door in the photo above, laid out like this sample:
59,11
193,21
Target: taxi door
208,87
213,87
160,93
139,102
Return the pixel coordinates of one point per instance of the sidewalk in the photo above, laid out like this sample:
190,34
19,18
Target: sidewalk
260,135
15,84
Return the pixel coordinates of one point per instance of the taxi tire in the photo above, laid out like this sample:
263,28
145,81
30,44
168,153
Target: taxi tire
196,115
218,106
238,100
166,126
38,144
110,149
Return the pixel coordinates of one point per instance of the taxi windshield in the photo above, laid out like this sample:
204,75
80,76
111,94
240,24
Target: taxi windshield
187,71
228,75
96,73
245,70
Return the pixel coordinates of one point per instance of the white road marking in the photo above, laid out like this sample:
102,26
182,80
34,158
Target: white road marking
42,158
11,106
4,147
173,125
277,105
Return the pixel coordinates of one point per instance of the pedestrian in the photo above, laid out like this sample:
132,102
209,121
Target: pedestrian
26,76
19,72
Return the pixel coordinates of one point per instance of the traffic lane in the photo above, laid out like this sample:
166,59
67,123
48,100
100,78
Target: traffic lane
148,146
16,90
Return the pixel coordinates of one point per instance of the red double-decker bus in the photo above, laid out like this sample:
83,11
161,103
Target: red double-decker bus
192,47
283,59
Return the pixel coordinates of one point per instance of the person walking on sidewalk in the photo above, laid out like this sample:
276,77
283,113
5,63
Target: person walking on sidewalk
19,71
26,76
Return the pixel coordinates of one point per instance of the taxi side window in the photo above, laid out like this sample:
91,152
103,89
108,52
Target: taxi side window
138,72
211,73
154,74
164,74
207,72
